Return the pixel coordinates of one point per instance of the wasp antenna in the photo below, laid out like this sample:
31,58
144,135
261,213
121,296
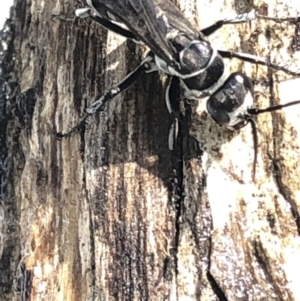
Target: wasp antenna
256,111
255,145
278,20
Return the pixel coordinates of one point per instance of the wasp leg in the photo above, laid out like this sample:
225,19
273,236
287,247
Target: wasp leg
257,111
255,60
172,103
243,18
146,66
87,12
293,20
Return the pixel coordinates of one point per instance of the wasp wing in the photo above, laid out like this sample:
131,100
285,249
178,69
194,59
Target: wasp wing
175,18
144,19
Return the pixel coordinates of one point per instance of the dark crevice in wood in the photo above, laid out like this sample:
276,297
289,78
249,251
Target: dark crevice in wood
25,107
6,57
258,253
215,287
262,260
10,151
167,269
24,283
199,217
295,45
283,190
92,244
178,188
211,279
179,203
92,251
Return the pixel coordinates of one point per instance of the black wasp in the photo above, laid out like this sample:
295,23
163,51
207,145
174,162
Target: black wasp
182,52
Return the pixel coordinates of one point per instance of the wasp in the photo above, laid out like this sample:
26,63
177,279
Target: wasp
178,49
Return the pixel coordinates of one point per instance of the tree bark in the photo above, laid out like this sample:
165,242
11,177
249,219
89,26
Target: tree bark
110,213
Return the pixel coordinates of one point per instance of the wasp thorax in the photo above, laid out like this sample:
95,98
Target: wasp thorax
197,55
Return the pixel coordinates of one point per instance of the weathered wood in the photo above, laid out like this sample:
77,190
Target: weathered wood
110,213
